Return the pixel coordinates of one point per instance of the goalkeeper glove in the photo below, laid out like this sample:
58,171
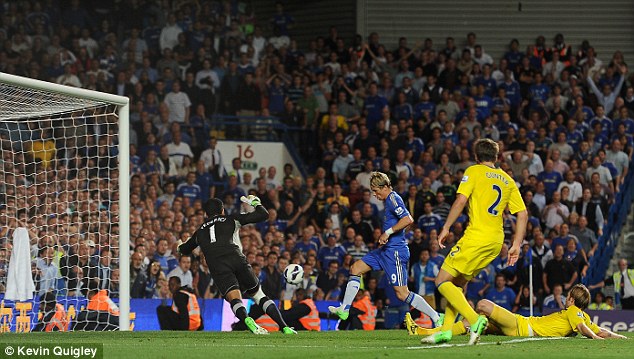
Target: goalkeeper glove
178,247
251,200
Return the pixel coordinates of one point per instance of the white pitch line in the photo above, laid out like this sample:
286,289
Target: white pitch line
220,345
512,341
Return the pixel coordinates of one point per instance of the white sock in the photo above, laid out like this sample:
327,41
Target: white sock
354,282
421,304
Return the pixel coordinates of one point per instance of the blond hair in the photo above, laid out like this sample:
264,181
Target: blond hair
581,296
379,179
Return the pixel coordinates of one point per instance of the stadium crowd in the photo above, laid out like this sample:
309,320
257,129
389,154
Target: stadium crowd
561,115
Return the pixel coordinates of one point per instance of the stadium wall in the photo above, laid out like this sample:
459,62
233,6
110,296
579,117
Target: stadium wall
607,24
255,155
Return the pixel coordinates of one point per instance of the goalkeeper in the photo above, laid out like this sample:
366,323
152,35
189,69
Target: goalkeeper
220,243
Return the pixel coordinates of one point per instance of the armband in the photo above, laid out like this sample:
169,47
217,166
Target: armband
389,231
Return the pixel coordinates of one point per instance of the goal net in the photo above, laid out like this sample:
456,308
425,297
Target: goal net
64,212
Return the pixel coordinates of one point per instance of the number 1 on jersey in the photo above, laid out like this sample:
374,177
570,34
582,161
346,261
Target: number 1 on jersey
492,209
212,234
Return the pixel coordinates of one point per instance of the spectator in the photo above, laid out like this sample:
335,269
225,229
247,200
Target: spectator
331,252
442,207
169,34
104,268
564,236
555,213
358,248
272,278
576,257
229,87
623,282
77,267
501,294
576,190
183,271
591,211
556,300
587,238
138,276
46,278
608,94
620,159
340,164
599,304
156,280
559,271
478,286
422,277
189,189
168,195
605,177
164,257
429,221
177,149
178,104
212,158
327,280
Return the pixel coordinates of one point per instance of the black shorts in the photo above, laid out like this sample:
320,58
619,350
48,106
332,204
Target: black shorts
231,272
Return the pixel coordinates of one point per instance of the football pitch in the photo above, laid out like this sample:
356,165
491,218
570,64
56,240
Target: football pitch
334,344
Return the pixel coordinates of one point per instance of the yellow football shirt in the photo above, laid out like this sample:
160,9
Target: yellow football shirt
43,150
489,191
562,323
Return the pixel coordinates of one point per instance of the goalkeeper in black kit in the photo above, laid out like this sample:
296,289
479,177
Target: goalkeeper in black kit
220,243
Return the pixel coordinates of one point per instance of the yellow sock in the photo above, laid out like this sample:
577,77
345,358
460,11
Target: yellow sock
425,331
450,317
458,328
456,298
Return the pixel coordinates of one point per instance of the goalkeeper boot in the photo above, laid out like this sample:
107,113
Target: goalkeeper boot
477,329
254,327
289,330
410,324
339,311
437,338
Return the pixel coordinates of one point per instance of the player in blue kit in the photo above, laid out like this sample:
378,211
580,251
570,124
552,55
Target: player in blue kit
392,255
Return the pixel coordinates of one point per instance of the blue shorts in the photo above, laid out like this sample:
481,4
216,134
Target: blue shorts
391,260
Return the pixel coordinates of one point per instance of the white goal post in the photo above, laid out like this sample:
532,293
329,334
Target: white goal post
25,98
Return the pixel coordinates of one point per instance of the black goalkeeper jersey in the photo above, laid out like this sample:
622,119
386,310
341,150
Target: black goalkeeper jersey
219,235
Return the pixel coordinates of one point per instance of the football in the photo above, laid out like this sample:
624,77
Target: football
294,273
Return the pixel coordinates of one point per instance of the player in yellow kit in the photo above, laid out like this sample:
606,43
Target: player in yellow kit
572,320
488,191
564,323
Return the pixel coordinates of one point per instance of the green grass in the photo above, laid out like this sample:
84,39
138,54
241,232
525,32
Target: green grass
340,345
